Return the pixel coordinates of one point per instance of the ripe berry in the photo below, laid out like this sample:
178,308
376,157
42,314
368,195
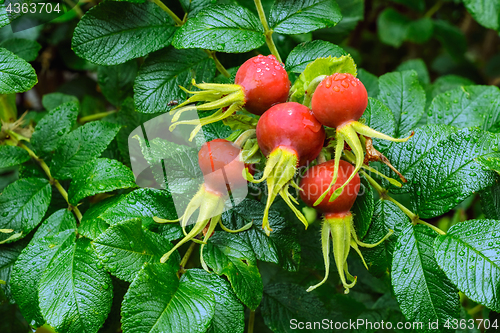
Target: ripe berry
338,99
316,181
264,81
289,136
222,168
338,223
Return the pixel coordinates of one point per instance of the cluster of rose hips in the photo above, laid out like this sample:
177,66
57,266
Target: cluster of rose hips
290,135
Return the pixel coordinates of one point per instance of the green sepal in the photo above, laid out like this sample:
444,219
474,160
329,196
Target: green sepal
210,205
341,238
343,235
227,98
280,169
241,122
320,66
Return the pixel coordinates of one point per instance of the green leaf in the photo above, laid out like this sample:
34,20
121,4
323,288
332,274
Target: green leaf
192,7
126,246
420,31
301,16
370,82
53,126
144,204
241,122
441,168
404,95
128,118
81,146
116,81
162,73
418,65
282,303
307,52
216,130
490,201
320,66
224,28
392,27
405,156
423,291
158,302
229,314
386,215
452,38
486,12
362,209
23,205
492,163
182,161
92,225
448,82
281,247
4,17
379,117
60,220
113,32
8,256
16,75
12,155
75,294
99,176
23,48
229,255
469,255
352,12
54,235
53,100
471,106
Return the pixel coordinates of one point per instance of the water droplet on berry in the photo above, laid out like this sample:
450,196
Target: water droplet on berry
328,82
339,77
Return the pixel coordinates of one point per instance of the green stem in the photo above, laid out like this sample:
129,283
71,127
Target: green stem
433,227
16,136
170,13
218,65
268,32
53,181
434,9
251,321
384,195
187,255
96,116
76,8
405,210
180,22
475,310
